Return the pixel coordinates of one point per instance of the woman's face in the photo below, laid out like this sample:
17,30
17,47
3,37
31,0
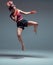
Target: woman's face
11,6
9,3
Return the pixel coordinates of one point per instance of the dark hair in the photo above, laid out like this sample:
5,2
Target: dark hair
10,8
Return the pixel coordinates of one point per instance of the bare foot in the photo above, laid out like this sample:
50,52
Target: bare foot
23,48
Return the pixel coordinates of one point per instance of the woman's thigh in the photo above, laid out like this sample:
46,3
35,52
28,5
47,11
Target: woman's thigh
31,23
19,31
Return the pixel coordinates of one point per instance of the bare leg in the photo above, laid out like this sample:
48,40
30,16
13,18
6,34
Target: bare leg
19,32
32,23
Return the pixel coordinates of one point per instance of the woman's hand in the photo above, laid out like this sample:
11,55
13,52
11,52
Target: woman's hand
33,12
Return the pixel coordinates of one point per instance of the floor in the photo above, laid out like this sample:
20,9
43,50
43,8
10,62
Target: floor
12,57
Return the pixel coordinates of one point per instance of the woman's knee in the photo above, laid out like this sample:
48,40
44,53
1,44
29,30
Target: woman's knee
19,32
36,23
32,23
18,35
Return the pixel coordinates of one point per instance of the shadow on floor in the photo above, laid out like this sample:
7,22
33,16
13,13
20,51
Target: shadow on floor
15,56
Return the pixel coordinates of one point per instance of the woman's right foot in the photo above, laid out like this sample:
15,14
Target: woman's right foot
35,28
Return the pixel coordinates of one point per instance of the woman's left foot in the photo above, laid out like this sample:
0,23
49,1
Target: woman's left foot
23,48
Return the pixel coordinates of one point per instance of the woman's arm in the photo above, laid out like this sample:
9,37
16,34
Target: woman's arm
31,12
14,18
23,12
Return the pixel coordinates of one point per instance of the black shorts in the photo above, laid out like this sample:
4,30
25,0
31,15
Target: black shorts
22,24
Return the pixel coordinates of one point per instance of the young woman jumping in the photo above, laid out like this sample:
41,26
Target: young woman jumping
16,15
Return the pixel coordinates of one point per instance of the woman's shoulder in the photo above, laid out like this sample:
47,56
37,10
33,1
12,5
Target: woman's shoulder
18,10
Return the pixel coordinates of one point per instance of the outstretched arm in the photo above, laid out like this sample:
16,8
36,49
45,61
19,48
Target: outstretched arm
31,12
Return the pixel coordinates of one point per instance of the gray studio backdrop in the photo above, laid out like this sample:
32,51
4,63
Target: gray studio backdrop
43,40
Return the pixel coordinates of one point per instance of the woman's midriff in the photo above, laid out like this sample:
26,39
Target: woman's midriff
19,17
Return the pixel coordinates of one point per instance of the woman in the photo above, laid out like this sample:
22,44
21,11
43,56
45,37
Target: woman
16,15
